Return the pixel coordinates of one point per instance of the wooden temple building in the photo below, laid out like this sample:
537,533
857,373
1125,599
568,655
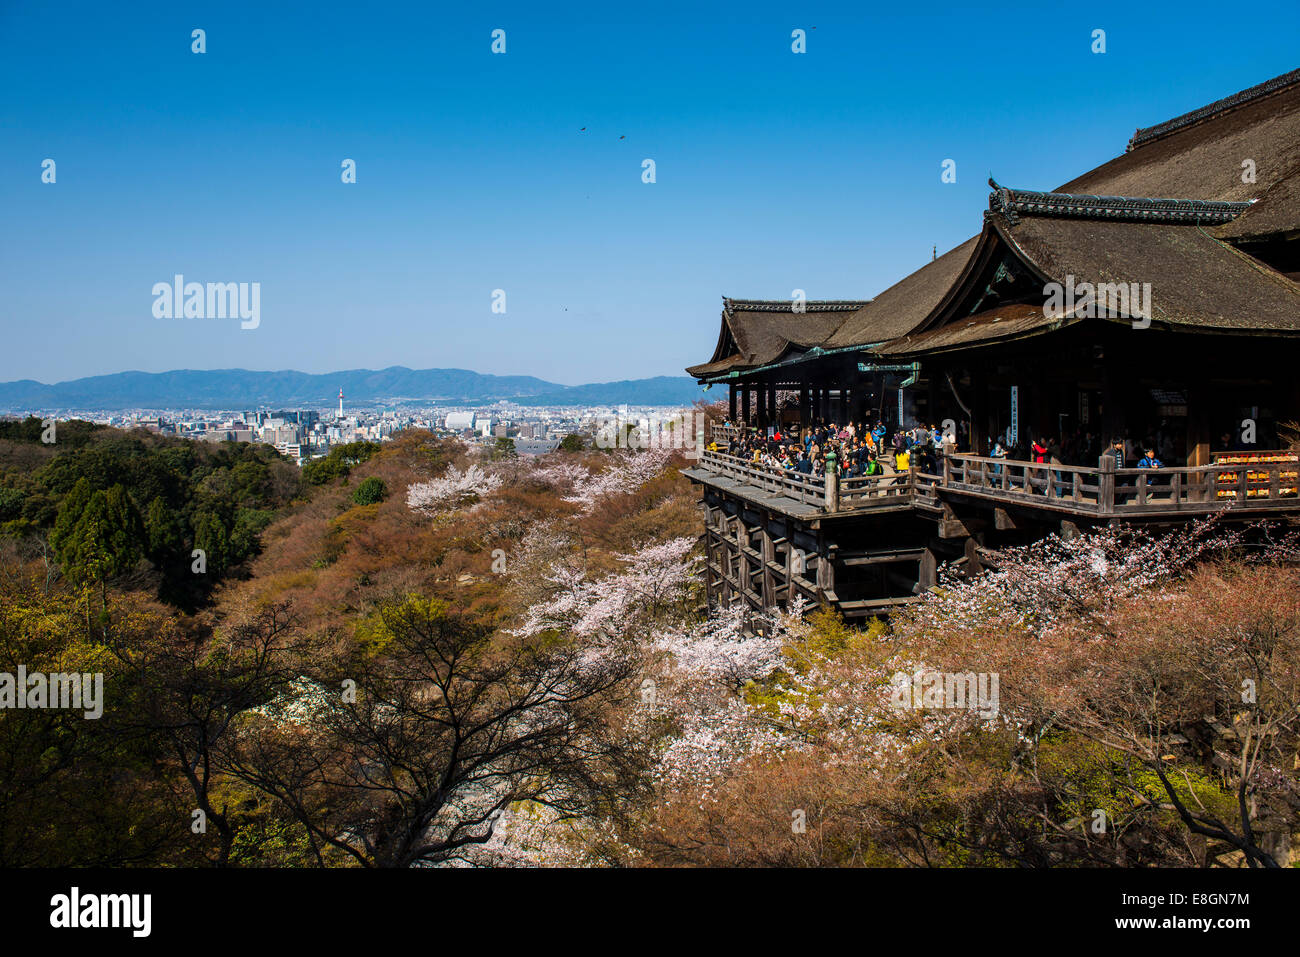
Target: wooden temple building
1155,297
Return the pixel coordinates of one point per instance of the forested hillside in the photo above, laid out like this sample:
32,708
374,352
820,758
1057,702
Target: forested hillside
101,504
415,655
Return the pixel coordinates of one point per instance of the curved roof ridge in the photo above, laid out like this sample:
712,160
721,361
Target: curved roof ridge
1149,134
1013,203
787,305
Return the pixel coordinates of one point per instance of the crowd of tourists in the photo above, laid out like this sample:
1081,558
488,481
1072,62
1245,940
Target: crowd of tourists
1085,448
856,449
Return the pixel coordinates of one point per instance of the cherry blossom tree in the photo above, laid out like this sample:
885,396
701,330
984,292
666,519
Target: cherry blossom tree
655,578
455,489
626,472
560,473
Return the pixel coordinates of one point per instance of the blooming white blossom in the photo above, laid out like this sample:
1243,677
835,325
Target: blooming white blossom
302,702
627,472
454,489
719,651
560,474
655,577
1034,585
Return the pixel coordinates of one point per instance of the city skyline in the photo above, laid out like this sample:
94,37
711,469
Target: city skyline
523,171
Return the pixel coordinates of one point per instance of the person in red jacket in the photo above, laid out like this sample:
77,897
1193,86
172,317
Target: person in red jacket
1040,458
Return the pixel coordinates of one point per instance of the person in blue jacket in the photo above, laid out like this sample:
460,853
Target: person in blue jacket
1149,461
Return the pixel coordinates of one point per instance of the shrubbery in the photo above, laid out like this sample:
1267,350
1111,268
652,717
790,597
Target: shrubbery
338,463
370,492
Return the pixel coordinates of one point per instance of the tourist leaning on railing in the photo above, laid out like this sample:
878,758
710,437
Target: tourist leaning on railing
999,451
1149,461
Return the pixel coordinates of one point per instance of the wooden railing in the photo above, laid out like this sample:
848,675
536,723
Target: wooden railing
1260,481
795,485
1080,488
868,490
1240,485
860,492
1269,481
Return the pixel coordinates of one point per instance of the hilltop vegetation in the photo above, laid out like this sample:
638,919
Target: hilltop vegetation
419,655
102,504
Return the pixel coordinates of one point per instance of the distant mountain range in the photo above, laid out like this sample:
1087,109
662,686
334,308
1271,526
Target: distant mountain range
243,389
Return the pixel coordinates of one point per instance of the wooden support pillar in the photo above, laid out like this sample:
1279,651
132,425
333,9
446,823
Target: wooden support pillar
724,560
733,559
769,581
825,570
710,557
1106,485
731,403
742,560
927,574
805,406
747,561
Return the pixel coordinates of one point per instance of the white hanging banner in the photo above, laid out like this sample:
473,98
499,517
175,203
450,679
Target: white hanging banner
1013,430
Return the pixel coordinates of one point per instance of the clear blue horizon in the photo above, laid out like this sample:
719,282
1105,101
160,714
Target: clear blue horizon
775,171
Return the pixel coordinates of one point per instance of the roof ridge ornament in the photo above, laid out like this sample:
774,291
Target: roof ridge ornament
1014,203
1000,201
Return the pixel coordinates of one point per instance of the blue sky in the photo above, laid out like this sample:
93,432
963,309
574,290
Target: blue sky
775,171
